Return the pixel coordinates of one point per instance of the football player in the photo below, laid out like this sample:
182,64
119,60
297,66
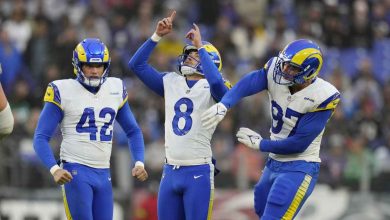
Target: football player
301,105
6,117
187,183
85,108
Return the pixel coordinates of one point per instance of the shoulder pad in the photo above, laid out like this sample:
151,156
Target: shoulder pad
329,104
268,64
52,95
227,83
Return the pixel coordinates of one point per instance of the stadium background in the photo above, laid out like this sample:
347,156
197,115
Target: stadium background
36,42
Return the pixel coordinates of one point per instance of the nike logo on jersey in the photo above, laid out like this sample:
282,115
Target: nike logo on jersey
109,178
206,87
309,99
196,177
114,93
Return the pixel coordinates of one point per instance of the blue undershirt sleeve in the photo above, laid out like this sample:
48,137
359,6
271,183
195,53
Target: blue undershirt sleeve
133,132
145,72
309,127
250,84
50,117
213,76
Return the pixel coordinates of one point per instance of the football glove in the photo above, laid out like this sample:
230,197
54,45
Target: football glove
249,138
212,116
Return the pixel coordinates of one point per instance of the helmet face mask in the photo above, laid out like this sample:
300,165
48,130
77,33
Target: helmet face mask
302,59
91,51
189,64
185,68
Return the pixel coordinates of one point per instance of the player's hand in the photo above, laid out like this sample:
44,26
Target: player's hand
62,176
212,116
249,138
140,173
164,26
194,36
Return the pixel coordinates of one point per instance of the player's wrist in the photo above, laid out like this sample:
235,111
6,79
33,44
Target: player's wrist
139,164
201,47
54,169
223,106
155,37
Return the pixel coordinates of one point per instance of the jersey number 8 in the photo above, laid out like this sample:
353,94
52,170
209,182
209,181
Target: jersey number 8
186,115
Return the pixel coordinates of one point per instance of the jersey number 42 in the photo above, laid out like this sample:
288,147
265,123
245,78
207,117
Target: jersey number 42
87,123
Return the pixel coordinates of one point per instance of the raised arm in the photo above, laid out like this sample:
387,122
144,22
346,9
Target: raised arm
138,63
210,71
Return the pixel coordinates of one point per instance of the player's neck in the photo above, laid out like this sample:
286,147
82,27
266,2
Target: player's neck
194,77
91,89
298,87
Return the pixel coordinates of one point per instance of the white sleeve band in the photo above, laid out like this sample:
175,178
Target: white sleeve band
155,37
6,121
54,168
139,163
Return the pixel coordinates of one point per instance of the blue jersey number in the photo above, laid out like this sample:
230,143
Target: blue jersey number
277,116
91,128
186,115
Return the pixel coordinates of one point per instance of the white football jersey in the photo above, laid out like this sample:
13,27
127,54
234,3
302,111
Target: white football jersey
287,109
87,125
186,140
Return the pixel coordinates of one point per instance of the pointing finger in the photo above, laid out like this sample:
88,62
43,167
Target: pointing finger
173,15
196,26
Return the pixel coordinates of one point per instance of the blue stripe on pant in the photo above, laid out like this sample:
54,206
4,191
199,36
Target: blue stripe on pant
186,192
89,194
283,188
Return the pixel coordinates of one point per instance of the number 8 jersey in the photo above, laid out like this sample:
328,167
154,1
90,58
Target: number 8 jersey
186,140
87,125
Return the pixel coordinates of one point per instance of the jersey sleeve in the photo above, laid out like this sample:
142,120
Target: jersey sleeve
250,84
217,84
127,121
329,103
52,95
49,118
145,72
125,96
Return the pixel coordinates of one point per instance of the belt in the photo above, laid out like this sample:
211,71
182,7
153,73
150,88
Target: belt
199,161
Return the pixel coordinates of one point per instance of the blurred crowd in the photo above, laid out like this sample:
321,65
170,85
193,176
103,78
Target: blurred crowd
37,38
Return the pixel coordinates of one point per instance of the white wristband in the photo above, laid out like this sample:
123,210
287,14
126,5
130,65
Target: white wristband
139,163
6,120
54,168
155,37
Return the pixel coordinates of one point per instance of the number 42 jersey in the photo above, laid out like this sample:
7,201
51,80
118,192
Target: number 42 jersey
87,125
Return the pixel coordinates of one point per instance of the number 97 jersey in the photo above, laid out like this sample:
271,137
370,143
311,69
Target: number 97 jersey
287,109
87,124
